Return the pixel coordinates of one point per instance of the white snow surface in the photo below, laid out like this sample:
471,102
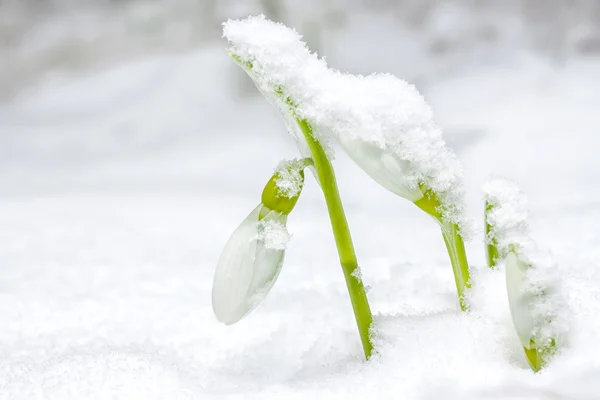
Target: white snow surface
112,222
377,109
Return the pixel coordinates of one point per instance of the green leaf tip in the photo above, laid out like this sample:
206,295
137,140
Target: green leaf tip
243,63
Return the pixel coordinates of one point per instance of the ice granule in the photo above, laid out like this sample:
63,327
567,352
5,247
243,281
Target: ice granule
357,273
289,180
273,234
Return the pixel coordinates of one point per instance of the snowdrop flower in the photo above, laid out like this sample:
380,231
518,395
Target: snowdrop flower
252,258
535,304
533,292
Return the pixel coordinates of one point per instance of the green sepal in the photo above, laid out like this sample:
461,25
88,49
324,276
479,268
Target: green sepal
429,203
273,199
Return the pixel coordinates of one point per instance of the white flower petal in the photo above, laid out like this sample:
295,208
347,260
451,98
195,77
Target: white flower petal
385,168
520,300
246,270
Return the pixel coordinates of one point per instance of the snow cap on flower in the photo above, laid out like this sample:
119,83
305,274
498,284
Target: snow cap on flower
382,122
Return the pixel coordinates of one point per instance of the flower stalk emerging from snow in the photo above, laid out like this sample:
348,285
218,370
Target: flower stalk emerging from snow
382,122
343,239
535,303
454,245
252,258
262,48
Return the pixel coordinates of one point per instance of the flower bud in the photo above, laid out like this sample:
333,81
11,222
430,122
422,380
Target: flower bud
253,256
249,265
282,191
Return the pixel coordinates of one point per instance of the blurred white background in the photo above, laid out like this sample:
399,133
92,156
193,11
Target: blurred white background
89,79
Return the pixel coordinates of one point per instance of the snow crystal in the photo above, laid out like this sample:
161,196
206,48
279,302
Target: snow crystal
507,216
273,234
357,273
289,179
378,109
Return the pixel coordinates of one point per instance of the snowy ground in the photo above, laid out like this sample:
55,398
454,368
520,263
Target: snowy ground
118,191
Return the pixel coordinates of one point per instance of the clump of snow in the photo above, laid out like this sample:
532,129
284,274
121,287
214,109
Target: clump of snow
357,273
289,178
507,214
378,109
273,234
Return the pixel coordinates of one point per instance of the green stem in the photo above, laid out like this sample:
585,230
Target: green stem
343,240
458,258
491,249
454,244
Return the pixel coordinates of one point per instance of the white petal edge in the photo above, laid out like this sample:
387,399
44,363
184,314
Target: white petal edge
386,169
518,298
246,270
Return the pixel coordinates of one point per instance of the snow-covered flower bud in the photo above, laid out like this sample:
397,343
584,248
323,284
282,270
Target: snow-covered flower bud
282,191
382,166
252,258
535,302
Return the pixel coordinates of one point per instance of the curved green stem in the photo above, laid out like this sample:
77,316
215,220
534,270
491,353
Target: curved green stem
454,244
458,258
343,239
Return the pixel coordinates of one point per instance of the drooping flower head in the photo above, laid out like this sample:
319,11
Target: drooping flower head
536,305
253,256
534,297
